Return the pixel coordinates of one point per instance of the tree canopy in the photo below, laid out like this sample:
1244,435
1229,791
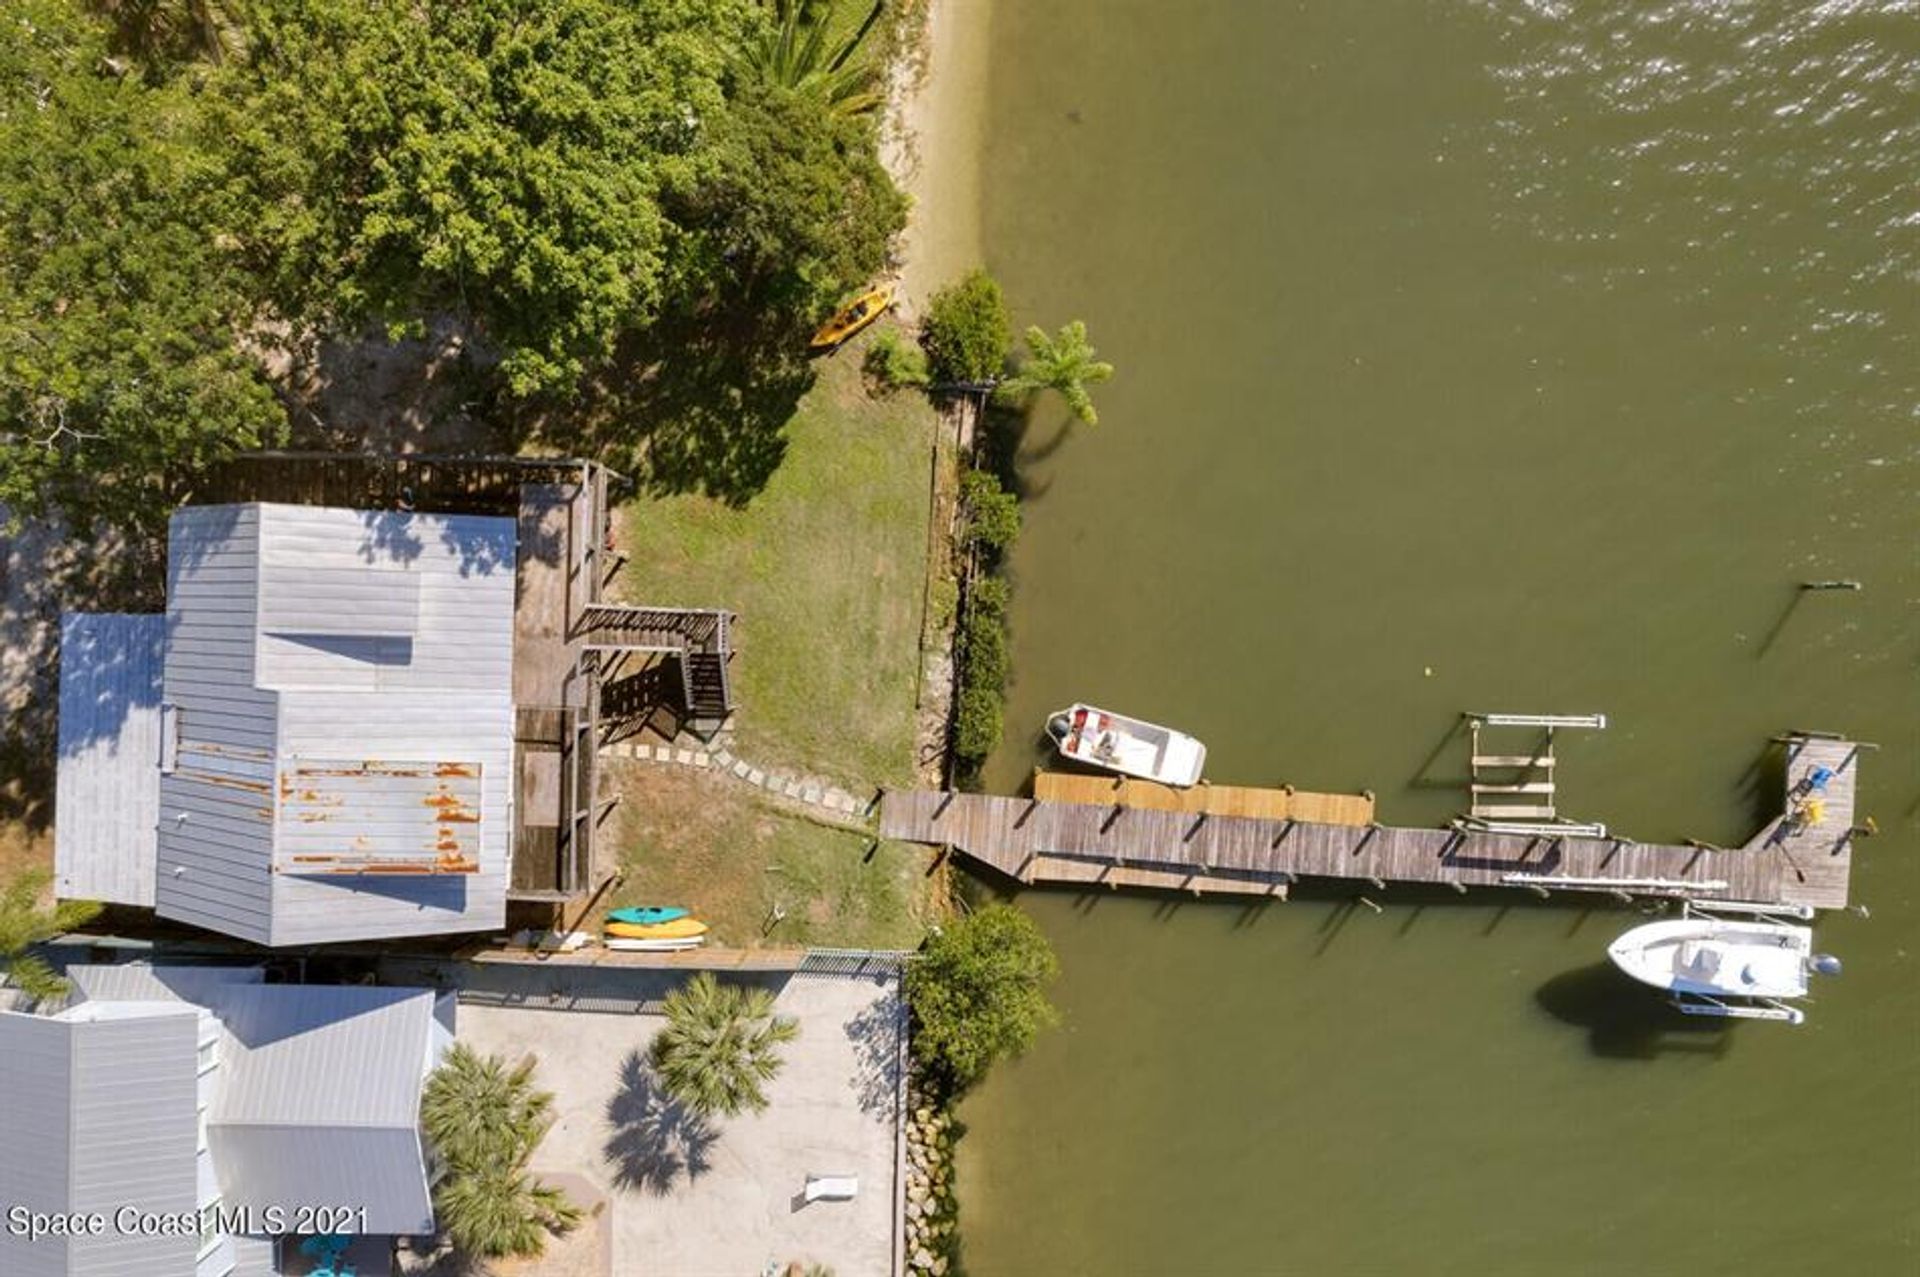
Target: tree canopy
966,331
978,993
120,308
190,182
390,158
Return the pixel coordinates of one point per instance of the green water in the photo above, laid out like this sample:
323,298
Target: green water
1544,347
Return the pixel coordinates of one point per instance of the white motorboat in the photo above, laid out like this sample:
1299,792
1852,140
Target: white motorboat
1742,968
1100,738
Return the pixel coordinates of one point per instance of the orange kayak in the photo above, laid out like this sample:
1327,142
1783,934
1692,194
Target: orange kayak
852,317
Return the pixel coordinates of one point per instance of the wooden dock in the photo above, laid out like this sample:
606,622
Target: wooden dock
1218,800
1054,837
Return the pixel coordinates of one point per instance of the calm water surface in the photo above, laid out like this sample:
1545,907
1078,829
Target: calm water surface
1545,347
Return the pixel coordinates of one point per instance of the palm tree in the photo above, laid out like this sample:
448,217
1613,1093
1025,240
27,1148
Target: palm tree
484,1120
792,52
25,921
719,1046
500,1211
1064,363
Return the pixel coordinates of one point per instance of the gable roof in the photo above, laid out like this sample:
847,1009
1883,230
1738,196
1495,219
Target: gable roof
319,1099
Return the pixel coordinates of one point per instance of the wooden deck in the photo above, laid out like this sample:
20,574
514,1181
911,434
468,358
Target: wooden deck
555,694
1042,839
1217,800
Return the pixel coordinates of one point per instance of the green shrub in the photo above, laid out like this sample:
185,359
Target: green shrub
978,993
966,331
979,722
992,513
895,363
984,664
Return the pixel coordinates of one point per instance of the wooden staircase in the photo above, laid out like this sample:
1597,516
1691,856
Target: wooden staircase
697,639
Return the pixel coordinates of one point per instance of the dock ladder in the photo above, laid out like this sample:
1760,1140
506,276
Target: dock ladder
1514,792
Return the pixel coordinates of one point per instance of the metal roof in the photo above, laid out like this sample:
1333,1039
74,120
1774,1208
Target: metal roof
319,1099
347,816
107,790
144,982
318,657
100,1115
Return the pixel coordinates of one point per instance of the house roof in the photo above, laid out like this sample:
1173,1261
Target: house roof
108,782
315,1098
142,982
319,1099
100,1115
343,681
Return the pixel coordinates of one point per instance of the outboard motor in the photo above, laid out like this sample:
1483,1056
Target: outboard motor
1058,726
1824,964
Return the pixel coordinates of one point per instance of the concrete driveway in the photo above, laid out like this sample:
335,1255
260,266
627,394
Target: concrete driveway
693,1199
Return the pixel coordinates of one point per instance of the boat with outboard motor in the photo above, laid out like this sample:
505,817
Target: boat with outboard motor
1130,746
1745,967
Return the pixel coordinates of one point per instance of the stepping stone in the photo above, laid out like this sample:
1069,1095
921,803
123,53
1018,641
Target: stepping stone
684,756
741,769
791,789
812,794
755,776
700,758
722,757
838,799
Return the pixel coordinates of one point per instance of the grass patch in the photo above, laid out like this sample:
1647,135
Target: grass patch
694,839
826,568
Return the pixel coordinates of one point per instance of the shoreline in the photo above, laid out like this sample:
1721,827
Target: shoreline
931,143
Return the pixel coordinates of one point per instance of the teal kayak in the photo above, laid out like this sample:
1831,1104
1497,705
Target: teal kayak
646,915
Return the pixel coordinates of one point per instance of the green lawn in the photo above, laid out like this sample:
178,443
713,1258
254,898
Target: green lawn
825,568
695,839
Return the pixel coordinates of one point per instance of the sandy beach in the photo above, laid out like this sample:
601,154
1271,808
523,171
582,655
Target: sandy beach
935,121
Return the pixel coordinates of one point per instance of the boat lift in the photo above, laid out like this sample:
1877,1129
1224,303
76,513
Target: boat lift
1771,1009
1514,793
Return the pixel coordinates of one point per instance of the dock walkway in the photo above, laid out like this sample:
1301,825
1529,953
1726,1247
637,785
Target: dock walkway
1051,837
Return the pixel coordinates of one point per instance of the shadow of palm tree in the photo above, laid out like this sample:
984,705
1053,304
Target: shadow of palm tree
655,1139
876,1036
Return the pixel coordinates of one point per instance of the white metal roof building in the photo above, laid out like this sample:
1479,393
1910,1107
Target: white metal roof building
175,1089
335,733
109,756
98,1117
319,1100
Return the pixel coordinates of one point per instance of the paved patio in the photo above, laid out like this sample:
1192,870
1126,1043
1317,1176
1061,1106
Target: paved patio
691,1198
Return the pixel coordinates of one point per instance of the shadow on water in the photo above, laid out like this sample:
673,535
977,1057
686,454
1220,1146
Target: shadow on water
1625,1021
1423,777
1761,785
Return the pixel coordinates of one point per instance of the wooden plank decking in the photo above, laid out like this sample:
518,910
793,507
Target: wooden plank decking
1036,839
1219,800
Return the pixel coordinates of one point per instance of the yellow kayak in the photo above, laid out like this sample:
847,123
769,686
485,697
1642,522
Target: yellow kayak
678,929
853,316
